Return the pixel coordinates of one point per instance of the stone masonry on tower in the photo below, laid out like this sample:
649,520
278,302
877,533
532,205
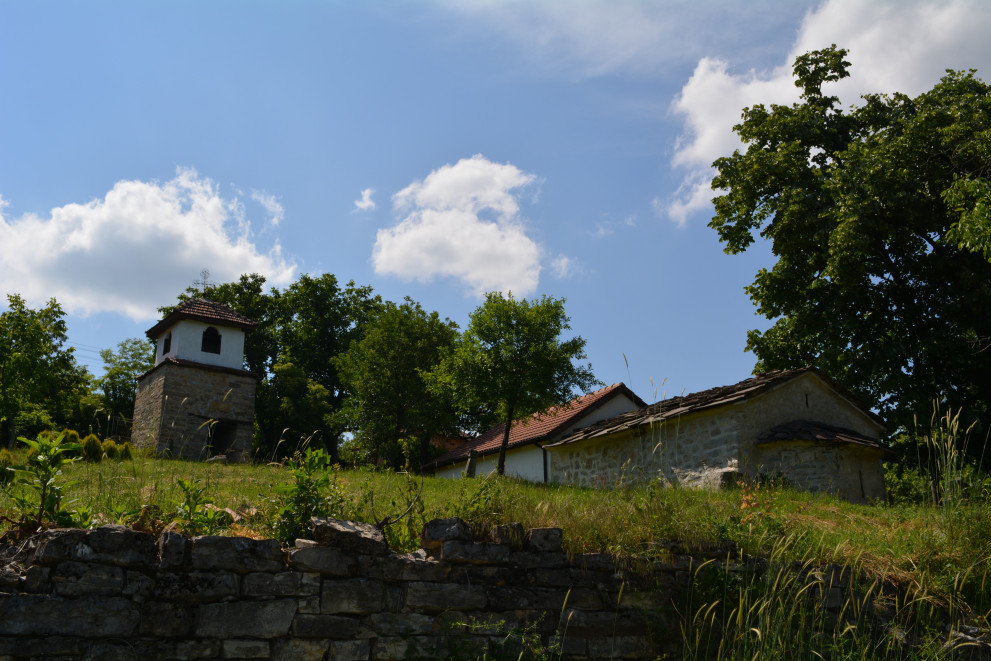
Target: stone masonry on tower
198,400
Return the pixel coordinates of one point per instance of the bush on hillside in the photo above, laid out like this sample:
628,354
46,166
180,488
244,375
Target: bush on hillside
111,450
6,461
92,448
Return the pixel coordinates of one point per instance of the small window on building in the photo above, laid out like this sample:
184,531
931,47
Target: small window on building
167,344
211,341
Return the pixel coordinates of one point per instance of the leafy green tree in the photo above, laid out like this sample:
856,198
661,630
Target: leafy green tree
383,373
36,368
875,216
512,357
132,358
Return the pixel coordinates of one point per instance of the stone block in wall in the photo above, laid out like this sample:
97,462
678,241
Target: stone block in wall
335,627
173,550
595,561
138,586
619,647
509,598
238,554
166,619
77,579
532,560
47,647
245,648
297,649
36,579
357,596
196,587
407,567
254,619
323,560
544,540
349,650
400,624
349,536
571,646
444,596
189,650
608,623
511,534
113,545
265,584
10,581
469,552
40,615
490,575
438,531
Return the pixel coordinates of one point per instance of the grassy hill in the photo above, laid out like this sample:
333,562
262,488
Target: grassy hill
926,565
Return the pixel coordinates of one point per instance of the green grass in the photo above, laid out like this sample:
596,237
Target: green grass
930,561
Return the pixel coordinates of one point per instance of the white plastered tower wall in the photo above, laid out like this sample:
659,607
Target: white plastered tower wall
185,338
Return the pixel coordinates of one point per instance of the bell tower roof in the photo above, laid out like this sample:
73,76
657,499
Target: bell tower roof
201,309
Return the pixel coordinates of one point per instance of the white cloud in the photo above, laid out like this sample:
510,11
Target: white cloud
135,249
271,205
366,203
564,267
608,227
588,38
462,221
894,46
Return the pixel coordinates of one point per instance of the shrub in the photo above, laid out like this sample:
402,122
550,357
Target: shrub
6,461
92,448
126,451
71,437
32,421
111,450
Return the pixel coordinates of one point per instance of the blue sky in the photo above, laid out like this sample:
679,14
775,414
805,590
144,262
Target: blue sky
428,149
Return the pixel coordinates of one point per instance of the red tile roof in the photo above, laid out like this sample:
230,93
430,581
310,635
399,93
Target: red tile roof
538,427
705,399
201,309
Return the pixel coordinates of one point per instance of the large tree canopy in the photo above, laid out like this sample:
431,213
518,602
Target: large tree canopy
383,372
878,217
512,357
38,373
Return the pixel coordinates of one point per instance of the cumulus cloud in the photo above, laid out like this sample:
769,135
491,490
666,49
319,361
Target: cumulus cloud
564,267
462,221
894,46
645,38
135,249
271,205
608,227
366,203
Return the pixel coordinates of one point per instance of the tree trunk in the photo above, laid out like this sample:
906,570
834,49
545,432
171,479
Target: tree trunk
501,467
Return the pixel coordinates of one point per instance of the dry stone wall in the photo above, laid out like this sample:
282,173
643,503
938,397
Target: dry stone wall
114,593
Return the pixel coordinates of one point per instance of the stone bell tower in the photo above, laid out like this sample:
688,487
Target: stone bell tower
198,400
